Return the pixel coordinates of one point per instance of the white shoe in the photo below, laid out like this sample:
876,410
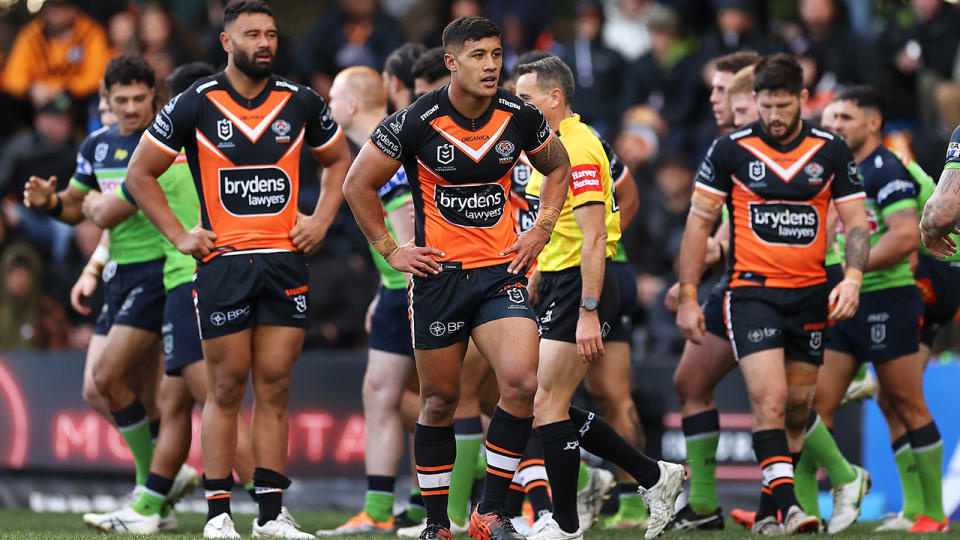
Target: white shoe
768,526
895,522
285,515
169,523
414,531
220,527
590,498
847,499
661,499
124,520
278,528
551,531
797,522
861,390
130,498
186,480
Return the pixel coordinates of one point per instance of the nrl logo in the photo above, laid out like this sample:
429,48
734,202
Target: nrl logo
758,170
445,154
225,129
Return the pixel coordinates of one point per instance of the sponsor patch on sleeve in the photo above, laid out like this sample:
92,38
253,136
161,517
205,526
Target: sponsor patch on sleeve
585,178
953,151
387,142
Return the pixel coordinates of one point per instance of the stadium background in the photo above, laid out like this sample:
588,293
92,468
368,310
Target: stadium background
641,68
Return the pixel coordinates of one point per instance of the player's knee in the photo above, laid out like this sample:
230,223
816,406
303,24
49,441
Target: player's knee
769,407
797,414
380,392
909,408
519,389
227,393
91,396
104,380
439,404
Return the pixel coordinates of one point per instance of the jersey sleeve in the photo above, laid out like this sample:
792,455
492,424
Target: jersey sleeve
321,130
713,175
172,125
847,184
125,194
953,151
84,177
536,131
586,180
899,191
395,136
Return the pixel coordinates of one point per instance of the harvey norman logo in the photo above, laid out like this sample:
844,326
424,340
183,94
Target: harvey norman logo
254,191
585,178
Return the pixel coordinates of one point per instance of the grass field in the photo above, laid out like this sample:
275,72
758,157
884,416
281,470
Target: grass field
28,525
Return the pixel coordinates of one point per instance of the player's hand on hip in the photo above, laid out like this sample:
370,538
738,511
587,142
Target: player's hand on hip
527,247
415,260
672,299
37,191
308,233
691,322
197,242
939,246
844,300
84,287
589,336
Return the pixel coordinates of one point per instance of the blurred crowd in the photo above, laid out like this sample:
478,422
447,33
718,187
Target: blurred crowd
642,70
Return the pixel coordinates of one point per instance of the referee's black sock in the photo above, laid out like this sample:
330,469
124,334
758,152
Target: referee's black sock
600,439
561,452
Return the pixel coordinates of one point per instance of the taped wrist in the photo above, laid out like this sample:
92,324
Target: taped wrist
385,245
547,219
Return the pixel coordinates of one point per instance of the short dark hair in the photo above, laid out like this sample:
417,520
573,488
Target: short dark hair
187,74
552,72
128,69
778,72
464,29
734,62
866,97
530,57
400,62
234,9
430,66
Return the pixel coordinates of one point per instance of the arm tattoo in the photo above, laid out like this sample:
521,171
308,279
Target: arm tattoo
858,248
943,208
549,158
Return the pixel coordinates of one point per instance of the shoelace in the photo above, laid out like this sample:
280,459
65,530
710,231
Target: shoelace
431,531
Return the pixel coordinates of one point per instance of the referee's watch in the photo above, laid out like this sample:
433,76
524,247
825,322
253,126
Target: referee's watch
589,304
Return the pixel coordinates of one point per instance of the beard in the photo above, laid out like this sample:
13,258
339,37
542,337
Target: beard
790,129
248,65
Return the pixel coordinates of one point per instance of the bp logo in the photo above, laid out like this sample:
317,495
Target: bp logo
218,318
225,129
437,328
755,335
757,170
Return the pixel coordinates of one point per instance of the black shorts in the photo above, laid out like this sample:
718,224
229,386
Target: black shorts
886,326
238,291
621,329
444,308
939,284
181,333
390,324
713,309
763,318
133,296
558,303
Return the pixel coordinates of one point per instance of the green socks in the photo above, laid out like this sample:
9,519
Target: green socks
583,476
469,434
631,503
823,449
928,453
416,511
805,483
701,432
134,426
909,478
378,501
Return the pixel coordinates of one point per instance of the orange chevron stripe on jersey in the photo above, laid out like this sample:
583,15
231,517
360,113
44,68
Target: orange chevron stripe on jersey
785,164
475,144
251,122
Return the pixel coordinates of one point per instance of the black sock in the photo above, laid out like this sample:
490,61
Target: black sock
513,506
269,486
768,506
773,454
561,451
923,437
534,477
154,430
158,484
217,492
134,413
600,439
506,438
435,450
252,492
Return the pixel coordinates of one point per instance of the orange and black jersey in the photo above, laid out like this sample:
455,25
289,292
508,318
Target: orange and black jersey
244,155
459,171
777,196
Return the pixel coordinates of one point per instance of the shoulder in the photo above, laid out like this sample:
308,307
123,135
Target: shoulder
424,108
509,102
200,87
301,93
101,135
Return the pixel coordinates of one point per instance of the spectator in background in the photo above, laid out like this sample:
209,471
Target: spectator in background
353,33
458,8
162,42
429,72
61,50
597,70
122,32
827,38
49,149
28,318
737,29
667,78
638,143
625,30
398,76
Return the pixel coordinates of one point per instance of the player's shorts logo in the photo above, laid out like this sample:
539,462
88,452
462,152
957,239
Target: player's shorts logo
878,333
791,224
301,302
479,205
437,328
218,318
254,191
225,129
755,335
515,295
445,154
816,340
757,170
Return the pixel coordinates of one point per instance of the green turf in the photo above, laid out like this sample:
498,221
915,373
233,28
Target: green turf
27,525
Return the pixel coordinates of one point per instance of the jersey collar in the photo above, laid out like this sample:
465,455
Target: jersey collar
568,123
242,101
765,137
471,124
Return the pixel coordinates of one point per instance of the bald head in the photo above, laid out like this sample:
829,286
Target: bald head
357,90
